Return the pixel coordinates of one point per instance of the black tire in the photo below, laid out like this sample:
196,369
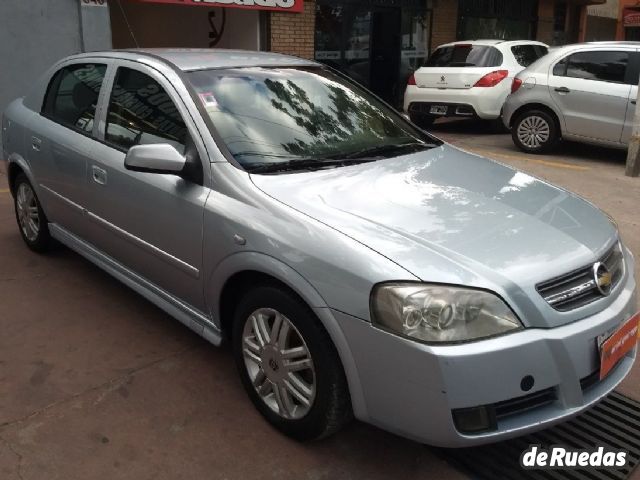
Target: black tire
547,125
40,241
497,126
422,120
331,406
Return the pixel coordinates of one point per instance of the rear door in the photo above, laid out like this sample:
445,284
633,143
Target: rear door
61,140
458,66
591,89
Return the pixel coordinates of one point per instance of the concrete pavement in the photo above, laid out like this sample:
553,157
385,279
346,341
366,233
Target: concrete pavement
95,382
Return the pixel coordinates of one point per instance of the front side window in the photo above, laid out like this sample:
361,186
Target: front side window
527,54
72,96
141,112
464,55
269,116
604,66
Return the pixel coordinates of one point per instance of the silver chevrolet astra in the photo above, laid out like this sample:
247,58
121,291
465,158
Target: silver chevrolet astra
358,266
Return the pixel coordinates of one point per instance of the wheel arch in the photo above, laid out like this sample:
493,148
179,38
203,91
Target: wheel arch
537,106
241,270
15,166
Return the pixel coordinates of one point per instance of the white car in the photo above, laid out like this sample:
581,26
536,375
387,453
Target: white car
468,79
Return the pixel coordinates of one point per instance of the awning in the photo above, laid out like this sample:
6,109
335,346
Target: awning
631,17
277,5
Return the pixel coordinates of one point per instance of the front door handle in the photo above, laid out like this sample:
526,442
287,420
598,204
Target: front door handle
562,90
36,143
99,175
633,102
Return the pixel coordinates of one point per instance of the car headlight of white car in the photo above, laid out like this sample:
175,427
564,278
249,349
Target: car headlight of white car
440,314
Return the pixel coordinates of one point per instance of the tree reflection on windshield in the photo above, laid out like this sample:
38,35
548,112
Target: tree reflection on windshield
276,115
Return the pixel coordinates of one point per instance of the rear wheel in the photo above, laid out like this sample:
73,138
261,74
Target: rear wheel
32,221
289,365
535,131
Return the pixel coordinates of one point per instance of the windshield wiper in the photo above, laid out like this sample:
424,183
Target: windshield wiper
382,150
303,164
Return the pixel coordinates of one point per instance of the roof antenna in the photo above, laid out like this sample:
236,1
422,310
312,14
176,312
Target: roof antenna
126,20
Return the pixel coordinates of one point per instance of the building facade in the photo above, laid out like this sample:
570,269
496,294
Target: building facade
377,42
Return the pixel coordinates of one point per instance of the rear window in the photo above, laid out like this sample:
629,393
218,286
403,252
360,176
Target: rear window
465,56
527,54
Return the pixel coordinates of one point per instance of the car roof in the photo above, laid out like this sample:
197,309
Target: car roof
191,59
611,43
493,42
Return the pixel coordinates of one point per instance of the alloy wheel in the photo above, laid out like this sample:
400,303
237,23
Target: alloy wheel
534,131
28,214
279,363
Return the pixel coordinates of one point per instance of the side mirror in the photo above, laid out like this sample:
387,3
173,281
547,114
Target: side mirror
157,158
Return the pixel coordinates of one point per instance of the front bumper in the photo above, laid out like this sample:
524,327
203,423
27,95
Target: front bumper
411,389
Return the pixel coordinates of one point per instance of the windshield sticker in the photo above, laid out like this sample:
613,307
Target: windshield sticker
208,99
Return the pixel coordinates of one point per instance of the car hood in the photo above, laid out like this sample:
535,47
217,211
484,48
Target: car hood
449,216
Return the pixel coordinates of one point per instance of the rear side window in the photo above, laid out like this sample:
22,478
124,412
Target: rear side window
465,56
527,54
72,96
141,112
604,66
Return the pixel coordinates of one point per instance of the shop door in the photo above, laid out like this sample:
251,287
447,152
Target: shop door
385,52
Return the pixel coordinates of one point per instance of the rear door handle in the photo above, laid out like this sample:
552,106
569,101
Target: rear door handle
99,175
36,143
633,102
562,90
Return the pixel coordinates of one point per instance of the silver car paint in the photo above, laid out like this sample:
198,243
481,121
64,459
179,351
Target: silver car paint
593,112
331,236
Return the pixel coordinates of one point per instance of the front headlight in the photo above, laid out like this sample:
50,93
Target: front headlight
440,314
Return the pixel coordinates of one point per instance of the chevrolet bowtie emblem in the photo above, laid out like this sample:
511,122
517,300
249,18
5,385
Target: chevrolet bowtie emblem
603,278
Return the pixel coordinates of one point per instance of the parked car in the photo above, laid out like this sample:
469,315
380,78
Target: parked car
356,264
585,92
467,79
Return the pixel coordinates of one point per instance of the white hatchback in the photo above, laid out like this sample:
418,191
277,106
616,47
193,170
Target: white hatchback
468,79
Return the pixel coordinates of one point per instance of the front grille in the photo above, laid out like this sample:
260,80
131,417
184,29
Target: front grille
484,418
590,380
524,403
578,288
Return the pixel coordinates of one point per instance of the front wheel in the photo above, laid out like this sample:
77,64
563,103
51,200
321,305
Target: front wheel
32,221
535,131
289,365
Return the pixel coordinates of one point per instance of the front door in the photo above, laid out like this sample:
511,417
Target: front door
385,52
150,223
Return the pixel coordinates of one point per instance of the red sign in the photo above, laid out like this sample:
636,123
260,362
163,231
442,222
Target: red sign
631,17
277,5
618,344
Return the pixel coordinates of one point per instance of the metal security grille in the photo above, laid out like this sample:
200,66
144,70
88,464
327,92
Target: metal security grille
613,424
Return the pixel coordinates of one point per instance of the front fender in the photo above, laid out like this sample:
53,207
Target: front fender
259,262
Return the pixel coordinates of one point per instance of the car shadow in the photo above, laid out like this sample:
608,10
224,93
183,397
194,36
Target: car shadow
501,139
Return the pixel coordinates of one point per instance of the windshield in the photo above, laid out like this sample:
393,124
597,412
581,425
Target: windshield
269,116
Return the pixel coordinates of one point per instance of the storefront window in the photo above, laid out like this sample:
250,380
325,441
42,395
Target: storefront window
415,31
378,43
500,19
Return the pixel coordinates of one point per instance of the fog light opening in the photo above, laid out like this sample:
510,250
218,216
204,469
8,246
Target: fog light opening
475,419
